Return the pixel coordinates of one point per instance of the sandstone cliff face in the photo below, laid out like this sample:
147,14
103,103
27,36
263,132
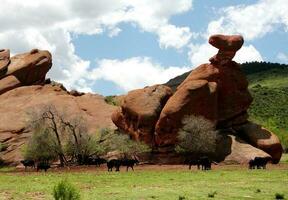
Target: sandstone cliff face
23,89
219,92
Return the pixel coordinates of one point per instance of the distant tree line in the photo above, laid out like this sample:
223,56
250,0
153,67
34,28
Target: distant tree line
255,67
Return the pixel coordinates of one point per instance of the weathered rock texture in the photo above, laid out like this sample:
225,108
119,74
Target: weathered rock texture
140,111
24,89
217,91
23,69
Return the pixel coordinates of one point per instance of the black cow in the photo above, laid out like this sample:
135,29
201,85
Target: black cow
28,163
191,162
129,163
258,162
43,166
114,163
203,161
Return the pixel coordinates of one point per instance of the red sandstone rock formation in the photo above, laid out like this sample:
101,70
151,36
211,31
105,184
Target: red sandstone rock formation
140,111
22,89
217,91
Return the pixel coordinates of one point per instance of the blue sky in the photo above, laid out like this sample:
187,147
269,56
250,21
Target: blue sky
113,46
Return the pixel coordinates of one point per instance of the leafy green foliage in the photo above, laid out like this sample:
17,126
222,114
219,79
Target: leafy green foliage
3,146
42,146
121,142
111,100
65,191
197,136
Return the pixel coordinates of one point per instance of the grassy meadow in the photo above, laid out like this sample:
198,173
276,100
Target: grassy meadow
151,182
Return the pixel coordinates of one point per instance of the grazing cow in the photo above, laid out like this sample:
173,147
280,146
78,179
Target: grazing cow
258,162
28,163
205,163
129,163
43,166
191,162
114,163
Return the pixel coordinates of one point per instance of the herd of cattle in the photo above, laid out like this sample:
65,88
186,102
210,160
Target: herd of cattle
203,163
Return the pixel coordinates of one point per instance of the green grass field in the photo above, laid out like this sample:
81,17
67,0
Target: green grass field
151,182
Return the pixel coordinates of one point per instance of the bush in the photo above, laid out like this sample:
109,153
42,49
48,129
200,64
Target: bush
197,136
3,147
2,163
65,191
42,146
119,141
279,196
85,147
212,194
111,100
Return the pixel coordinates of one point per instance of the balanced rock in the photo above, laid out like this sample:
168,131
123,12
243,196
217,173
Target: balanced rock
216,91
140,110
227,42
261,138
228,45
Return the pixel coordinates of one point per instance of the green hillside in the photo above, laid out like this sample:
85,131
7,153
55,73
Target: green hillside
268,84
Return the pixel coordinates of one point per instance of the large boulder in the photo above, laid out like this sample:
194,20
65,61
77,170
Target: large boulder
140,110
30,68
17,103
23,69
217,92
235,150
261,138
198,96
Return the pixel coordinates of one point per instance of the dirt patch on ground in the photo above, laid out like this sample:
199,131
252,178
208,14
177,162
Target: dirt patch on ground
143,167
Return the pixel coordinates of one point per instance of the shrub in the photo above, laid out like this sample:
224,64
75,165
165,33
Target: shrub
197,136
65,191
42,146
111,100
212,194
3,147
279,196
119,141
181,198
2,163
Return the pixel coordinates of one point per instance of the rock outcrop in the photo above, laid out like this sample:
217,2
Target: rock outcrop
23,69
140,111
23,88
218,91
261,138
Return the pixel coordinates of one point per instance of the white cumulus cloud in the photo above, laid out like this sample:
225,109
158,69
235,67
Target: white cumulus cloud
49,25
136,72
252,21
